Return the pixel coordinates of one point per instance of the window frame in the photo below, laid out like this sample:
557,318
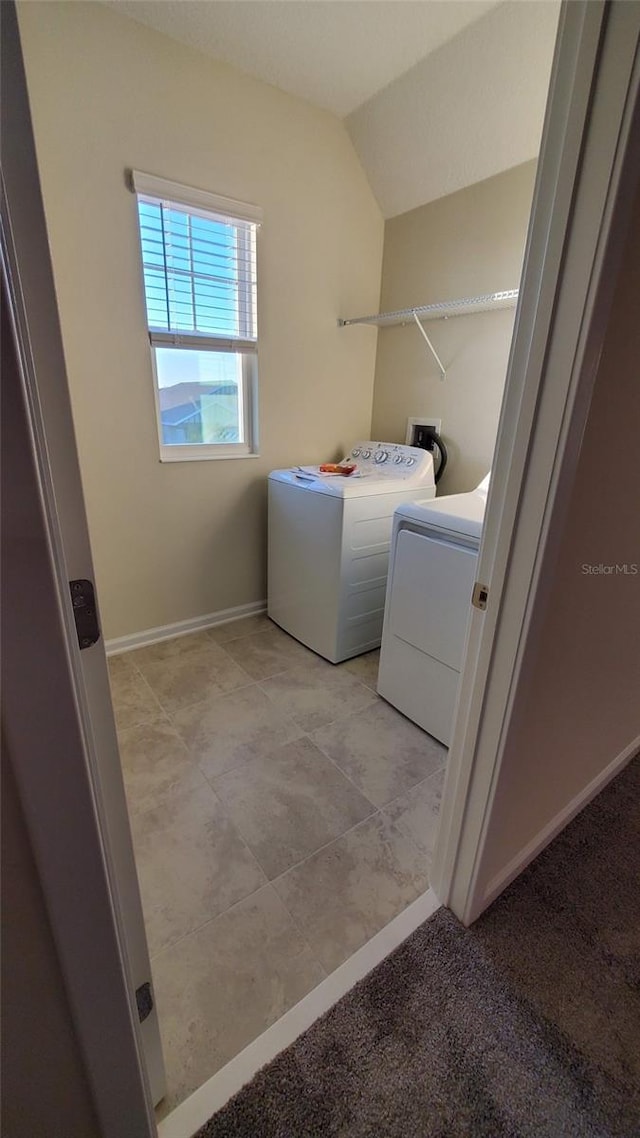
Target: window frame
190,452
147,187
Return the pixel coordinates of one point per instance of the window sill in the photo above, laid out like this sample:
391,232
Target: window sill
209,457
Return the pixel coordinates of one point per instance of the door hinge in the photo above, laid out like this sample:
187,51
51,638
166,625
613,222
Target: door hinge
144,1000
85,614
480,596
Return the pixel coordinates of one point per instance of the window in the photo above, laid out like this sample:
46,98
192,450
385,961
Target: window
199,268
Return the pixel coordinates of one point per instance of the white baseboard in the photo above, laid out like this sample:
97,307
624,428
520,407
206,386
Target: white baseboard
190,1115
181,628
550,831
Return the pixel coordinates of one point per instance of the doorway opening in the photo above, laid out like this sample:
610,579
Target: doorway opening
227,733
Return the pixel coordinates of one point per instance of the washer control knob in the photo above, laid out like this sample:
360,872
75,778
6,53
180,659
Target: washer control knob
410,461
366,454
355,453
398,458
381,456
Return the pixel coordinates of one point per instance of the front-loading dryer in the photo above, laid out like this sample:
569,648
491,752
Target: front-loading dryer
431,576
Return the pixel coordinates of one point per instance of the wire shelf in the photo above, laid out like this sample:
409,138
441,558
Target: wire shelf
489,302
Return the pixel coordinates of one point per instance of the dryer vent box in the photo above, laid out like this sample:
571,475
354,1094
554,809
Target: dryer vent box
415,429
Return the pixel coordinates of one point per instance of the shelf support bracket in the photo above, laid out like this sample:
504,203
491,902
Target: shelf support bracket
430,346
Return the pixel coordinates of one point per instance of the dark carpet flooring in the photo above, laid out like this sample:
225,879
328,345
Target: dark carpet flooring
525,1026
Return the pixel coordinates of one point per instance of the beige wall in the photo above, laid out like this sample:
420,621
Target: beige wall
578,705
178,540
465,244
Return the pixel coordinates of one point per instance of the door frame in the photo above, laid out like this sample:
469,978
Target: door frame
57,712
587,177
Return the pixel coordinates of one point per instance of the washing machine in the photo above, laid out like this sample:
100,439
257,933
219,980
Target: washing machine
329,541
431,577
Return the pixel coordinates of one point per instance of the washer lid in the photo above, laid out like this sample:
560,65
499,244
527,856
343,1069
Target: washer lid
339,486
382,468
455,513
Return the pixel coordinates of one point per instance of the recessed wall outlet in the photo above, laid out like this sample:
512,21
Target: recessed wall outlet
414,425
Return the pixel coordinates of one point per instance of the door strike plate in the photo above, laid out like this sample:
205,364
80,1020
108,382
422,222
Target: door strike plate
480,596
85,614
144,1001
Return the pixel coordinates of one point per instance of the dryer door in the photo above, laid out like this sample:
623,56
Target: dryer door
432,585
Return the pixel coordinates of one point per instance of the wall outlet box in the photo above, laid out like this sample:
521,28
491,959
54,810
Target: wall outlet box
414,425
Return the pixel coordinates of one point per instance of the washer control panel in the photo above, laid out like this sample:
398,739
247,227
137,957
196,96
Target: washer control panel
393,461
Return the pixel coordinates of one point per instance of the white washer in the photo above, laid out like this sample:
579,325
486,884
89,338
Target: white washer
329,540
431,577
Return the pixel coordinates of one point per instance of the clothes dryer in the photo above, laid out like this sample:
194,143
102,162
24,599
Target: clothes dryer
431,577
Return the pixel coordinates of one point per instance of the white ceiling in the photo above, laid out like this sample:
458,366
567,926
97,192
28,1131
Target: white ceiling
471,109
335,53
436,94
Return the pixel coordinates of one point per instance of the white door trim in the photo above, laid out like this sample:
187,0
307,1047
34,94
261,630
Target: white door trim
57,708
60,801
587,174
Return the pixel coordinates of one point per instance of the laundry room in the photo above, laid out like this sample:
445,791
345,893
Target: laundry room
284,236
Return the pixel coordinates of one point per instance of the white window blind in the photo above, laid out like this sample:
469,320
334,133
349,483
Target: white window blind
199,261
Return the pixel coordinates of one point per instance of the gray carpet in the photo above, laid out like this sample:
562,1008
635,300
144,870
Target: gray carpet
526,1025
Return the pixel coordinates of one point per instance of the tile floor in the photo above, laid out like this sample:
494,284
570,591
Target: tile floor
282,814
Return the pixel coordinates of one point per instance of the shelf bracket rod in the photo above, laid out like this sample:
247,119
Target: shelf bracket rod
431,347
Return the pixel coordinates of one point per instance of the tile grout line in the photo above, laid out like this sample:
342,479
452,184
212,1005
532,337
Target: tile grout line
162,717
242,687
306,943
200,652
214,695
168,718
211,920
296,865
333,670
350,715
223,694
204,924
377,812
301,934
267,880
408,836
374,810
185,655
148,685
270,883
243,762
305,735
415,786
301,863
336,763
322,725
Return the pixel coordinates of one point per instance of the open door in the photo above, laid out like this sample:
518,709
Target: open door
76,814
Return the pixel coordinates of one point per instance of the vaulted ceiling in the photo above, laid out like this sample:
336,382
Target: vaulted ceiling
436,94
